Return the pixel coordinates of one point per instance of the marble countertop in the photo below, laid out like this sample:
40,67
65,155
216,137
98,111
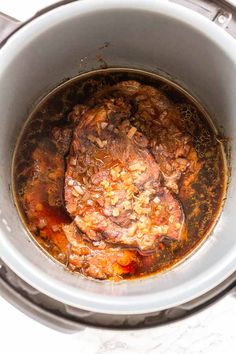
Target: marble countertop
211,331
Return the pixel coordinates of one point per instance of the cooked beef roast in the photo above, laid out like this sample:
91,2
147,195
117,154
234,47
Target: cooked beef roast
97,259
103,190
112,184
43,202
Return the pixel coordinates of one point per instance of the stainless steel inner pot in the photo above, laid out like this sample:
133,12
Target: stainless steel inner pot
155,36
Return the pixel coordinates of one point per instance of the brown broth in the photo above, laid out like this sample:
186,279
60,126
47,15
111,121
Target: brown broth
202,202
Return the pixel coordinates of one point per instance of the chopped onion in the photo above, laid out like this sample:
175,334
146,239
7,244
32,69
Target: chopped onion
156,200
55,228
92,138
131,132
115,212
101,143
104,125
73,161
90,202
70,182
42,223
79,189
137,166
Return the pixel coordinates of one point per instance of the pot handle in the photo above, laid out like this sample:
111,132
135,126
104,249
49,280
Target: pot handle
8,25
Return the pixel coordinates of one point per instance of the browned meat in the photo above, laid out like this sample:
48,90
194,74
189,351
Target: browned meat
98,261
43,201
112,184
160,121
62,138
101,189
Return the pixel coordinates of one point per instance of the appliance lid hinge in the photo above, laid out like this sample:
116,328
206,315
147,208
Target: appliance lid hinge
222,18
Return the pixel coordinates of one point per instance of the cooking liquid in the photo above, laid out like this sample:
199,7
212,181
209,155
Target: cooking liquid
202,204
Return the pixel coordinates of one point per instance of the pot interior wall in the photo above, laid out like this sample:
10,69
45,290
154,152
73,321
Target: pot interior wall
69,41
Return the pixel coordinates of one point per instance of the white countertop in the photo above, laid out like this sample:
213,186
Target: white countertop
210,331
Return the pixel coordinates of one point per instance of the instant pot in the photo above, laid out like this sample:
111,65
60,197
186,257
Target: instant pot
196,49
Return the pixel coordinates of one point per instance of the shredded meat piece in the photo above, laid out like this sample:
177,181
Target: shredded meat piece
112,184
160,119
100,261
172,148
62,138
